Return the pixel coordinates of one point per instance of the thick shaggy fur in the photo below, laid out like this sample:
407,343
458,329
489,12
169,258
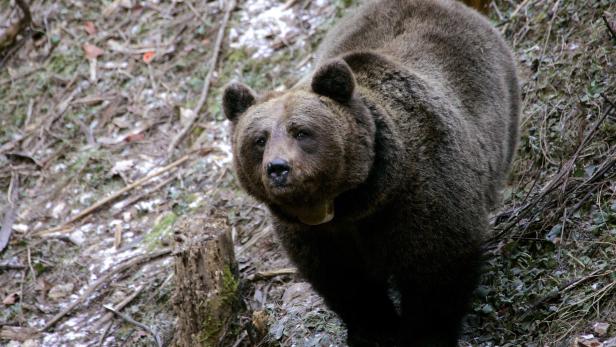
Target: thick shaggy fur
407,129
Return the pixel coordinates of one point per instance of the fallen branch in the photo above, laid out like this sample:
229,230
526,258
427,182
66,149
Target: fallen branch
133,200
261,275
64,226
102,280
557,181
10,34
10,214
17,333
561,290
207,82
254,239
141,325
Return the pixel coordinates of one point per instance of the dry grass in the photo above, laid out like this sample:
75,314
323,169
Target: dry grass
550,269
75,130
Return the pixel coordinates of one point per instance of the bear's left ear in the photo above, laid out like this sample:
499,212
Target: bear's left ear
236,99
334,79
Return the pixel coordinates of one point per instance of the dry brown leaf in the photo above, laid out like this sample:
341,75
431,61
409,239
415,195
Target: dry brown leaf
589,343
89,27
134,137
148,56
91,51
11,299
259,320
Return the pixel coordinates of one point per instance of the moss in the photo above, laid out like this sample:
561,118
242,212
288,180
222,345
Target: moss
160,231
212,325
230,285
210,331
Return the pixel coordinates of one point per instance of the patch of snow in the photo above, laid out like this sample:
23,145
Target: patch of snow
126,216
148,206
270,23
22,228
146,165
86,198
105,258
56,212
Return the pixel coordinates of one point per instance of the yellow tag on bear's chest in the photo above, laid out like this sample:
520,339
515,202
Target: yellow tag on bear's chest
315,215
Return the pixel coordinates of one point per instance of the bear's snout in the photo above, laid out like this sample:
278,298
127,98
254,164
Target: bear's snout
278,171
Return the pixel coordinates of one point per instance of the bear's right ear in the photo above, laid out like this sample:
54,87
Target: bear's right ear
236,99
334,79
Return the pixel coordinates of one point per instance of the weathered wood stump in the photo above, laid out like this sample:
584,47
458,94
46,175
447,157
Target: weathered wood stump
206,280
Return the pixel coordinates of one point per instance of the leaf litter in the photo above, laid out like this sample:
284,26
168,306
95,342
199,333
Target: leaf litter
91,129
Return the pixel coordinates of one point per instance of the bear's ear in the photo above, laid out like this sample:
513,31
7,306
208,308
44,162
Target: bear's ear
334,79
236,99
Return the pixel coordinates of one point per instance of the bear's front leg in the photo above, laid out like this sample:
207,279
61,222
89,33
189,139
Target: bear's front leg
330,261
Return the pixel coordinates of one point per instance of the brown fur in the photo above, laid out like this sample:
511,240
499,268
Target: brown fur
407,128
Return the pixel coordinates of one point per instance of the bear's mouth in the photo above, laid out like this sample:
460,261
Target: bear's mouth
306,204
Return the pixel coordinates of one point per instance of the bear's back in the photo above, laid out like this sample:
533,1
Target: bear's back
453,49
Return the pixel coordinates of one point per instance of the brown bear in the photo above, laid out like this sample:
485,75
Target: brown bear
381,166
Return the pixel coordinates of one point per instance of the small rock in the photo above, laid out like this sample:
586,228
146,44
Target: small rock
589,343
13,343
294,292
610,343
601,328
259,320
30,343
22,228
77,237
60,291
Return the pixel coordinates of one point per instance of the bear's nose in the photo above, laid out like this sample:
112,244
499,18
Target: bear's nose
278,171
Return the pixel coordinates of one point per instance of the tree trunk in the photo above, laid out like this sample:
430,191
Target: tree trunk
206,281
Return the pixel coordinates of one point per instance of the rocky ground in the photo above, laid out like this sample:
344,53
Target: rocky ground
111,130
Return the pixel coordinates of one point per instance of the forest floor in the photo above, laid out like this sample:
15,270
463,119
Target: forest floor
109,134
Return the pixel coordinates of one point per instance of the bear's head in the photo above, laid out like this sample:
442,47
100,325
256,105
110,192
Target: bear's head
298,150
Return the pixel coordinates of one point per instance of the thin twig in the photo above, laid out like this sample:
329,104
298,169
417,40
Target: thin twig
102,280
30,264
112,197
240,338
103,336
132,200
547,37
9,267
107,317
514,14
118,307
609,27
141,325
207,82
559,178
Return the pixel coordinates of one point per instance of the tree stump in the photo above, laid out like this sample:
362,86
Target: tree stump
206,280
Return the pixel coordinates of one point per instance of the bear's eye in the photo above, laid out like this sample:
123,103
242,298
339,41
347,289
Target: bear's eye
301,134
260,141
